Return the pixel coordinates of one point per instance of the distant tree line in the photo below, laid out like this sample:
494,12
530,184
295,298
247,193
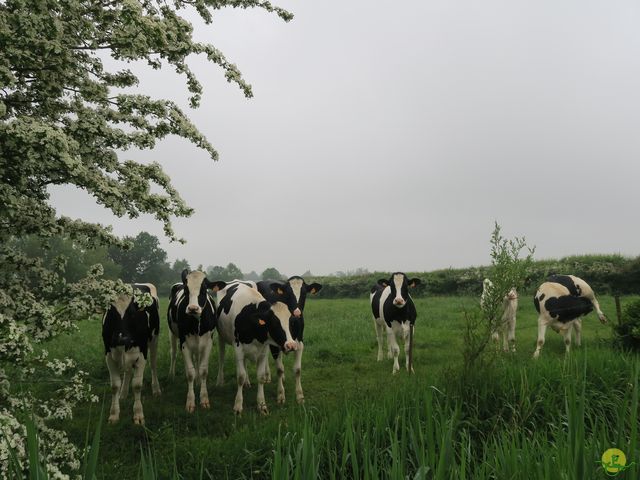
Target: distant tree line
146,261
143,261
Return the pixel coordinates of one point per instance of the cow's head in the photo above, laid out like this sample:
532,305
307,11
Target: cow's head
293,293
275,318
196,285
399,285
125,308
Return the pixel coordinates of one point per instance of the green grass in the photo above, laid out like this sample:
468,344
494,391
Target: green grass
520,419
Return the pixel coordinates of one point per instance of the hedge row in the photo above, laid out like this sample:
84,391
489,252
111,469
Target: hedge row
607,274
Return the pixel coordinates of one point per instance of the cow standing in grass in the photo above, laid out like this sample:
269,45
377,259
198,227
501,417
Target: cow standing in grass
394,312
129,330
250,323
192,319
293,293
561,302
507,326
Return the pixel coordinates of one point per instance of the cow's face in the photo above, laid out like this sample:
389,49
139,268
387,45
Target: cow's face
277,325
122,303
399,285
196,285
293,293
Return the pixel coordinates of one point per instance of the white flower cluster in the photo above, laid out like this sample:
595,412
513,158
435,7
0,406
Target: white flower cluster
29,317
142,299
12,443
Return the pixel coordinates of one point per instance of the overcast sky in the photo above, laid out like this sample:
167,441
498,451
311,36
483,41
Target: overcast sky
391,135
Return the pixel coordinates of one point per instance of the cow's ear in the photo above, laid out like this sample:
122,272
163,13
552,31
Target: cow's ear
215,286
414,282
383,282
314,288
277,288
185,272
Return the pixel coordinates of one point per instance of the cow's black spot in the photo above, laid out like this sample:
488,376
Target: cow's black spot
567,307
565,281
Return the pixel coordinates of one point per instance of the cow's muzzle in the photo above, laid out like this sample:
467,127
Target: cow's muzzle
399,301
194,310
297,313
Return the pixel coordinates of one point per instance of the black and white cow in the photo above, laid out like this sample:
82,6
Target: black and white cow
129,332
507,326
192,320
561,302
250,323
394,311
293,293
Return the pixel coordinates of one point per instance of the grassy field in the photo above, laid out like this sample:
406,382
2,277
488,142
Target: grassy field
520,419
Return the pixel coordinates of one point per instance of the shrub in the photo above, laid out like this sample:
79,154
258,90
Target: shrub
627,335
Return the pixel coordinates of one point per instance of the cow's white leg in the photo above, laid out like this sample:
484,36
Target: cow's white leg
297,371
241,374
136,362
221,346
566,334
394,348
280,371
114,366
577,325
190,345
126,380
262,379
174,353
153,353
204,350
380,337
542,329
405,338
510,335
267,369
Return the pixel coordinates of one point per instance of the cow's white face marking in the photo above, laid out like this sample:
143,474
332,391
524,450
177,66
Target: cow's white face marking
194,282
282,312
296,285
398,280
121,303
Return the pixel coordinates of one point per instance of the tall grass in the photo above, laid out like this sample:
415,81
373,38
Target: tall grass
421,432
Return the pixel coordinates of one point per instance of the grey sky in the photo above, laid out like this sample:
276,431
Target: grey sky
390,135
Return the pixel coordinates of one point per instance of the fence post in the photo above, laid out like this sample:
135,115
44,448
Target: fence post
618,309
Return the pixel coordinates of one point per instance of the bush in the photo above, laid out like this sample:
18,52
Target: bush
628,333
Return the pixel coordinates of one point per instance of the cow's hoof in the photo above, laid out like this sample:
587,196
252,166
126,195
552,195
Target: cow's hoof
205,403
536,355
262,408
138,420
281,399
247,383
219,383
267,379
157,392
237,410
191,407
114,418
300,399
389,355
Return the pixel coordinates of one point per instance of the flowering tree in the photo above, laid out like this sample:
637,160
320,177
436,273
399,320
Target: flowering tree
62,124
